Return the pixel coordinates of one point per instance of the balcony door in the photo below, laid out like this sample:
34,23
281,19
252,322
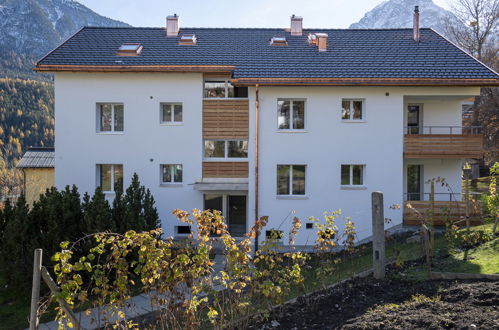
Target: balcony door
414,115
414,182
233,208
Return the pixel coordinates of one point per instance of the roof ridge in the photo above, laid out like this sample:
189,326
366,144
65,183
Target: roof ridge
243,28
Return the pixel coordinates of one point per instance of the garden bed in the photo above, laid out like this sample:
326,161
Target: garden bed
365,303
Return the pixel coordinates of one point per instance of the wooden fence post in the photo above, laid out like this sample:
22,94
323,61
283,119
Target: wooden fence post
35,290
426,247
378,220
55,291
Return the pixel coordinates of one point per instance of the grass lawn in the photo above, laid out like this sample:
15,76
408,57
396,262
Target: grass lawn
483,259
14,306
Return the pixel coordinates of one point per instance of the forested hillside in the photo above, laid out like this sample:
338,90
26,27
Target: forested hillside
28,30
26,116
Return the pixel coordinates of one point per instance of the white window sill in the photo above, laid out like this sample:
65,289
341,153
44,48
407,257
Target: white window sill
292,131
172,184
295,197
354,121
110,133
172,123
225,159
354,187
108,192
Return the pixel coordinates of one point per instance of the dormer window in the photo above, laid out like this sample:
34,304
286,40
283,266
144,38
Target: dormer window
130,49
187,39
278,41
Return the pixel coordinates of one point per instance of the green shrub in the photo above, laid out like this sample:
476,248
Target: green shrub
64,216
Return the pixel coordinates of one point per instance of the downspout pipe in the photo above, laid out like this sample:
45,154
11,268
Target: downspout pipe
257,119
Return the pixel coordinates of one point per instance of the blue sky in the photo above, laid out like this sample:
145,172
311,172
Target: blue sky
237,13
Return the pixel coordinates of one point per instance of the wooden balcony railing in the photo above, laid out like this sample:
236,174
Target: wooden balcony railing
416,212
443,142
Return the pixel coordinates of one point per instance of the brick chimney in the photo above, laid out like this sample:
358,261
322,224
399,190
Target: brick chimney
415,26
296,25
322,41
172,26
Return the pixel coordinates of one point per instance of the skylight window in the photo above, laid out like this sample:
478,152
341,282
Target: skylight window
130,49
187,39
278,41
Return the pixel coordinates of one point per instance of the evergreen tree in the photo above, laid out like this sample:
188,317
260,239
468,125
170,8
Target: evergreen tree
17,248
6,218
118,211
97,213
134,197
150,212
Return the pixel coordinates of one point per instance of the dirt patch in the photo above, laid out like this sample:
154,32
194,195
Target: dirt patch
364,303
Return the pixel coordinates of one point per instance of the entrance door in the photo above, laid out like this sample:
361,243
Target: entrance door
414,119
414,182
233,208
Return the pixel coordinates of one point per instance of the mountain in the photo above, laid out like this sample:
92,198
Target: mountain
37,26
399,14
28,30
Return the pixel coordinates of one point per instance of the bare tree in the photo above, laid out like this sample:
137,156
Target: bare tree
475,29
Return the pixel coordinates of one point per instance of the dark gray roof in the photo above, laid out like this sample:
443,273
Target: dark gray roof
369,53
38,158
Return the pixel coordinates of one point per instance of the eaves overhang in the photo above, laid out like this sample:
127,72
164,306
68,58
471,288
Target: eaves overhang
135,68
298,81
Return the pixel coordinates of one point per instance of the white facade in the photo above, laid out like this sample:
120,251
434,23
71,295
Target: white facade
323,146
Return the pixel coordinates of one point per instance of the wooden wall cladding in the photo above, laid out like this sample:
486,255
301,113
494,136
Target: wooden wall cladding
225,119
225,169
443,146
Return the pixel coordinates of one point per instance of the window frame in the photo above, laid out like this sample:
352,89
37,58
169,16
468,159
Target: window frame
99,177
291,116
351,185
172,176
226,151
172,122
99,118
363,110
291,195
226,81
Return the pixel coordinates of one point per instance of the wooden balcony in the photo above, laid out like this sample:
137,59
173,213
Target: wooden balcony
226,119
443,211
225,169
443,142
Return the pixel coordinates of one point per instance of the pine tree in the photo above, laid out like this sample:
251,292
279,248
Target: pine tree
118,211
17,248
97,213
150,212
134,196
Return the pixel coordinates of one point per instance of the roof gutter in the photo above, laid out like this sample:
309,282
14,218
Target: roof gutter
134,68
364,82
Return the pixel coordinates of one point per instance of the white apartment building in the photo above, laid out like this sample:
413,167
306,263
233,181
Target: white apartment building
275,122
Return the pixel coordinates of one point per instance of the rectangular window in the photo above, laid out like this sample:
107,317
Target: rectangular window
226,149
171,173
291,179
352,175
352,110
290,114
171,113
110,177
218,88
110,117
